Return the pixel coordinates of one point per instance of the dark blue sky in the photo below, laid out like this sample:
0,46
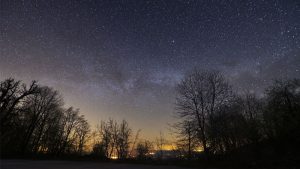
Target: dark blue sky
122,58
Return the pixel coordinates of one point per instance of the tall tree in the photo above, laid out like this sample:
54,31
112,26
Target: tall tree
123,140
186,138
282,114
199,95
82,132
12,93
38,108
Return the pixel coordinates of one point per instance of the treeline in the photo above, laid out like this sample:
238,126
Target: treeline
211,116
226,124
35,121
116,140
112,140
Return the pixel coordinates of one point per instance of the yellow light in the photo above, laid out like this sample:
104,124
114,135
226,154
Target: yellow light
168,147
114,157
199,149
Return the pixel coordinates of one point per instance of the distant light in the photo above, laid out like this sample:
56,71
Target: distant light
199,149
114,157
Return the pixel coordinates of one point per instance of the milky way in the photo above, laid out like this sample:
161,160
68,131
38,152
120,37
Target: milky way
122,58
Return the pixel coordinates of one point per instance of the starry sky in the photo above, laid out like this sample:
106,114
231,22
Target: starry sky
123,58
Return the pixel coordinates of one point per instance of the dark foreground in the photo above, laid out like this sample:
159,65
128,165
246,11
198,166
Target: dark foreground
30,164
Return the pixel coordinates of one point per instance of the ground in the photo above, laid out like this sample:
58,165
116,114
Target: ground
29,164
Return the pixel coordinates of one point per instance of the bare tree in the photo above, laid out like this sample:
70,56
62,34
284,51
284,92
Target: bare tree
70,122
282,110
227,128
12,93
123,140
106,131
186,138
37,110
115,138
33,120
199,95
82,131
253,113
143,149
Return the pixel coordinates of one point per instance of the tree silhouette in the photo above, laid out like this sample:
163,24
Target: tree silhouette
199,95
33,121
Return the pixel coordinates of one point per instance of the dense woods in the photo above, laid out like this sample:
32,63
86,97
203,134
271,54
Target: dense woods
211,116
35,121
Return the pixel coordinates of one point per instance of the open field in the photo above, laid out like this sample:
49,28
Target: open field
29,164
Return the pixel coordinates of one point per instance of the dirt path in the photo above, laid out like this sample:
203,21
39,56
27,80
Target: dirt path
29,164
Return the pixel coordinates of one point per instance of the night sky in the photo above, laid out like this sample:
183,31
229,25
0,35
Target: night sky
122,58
